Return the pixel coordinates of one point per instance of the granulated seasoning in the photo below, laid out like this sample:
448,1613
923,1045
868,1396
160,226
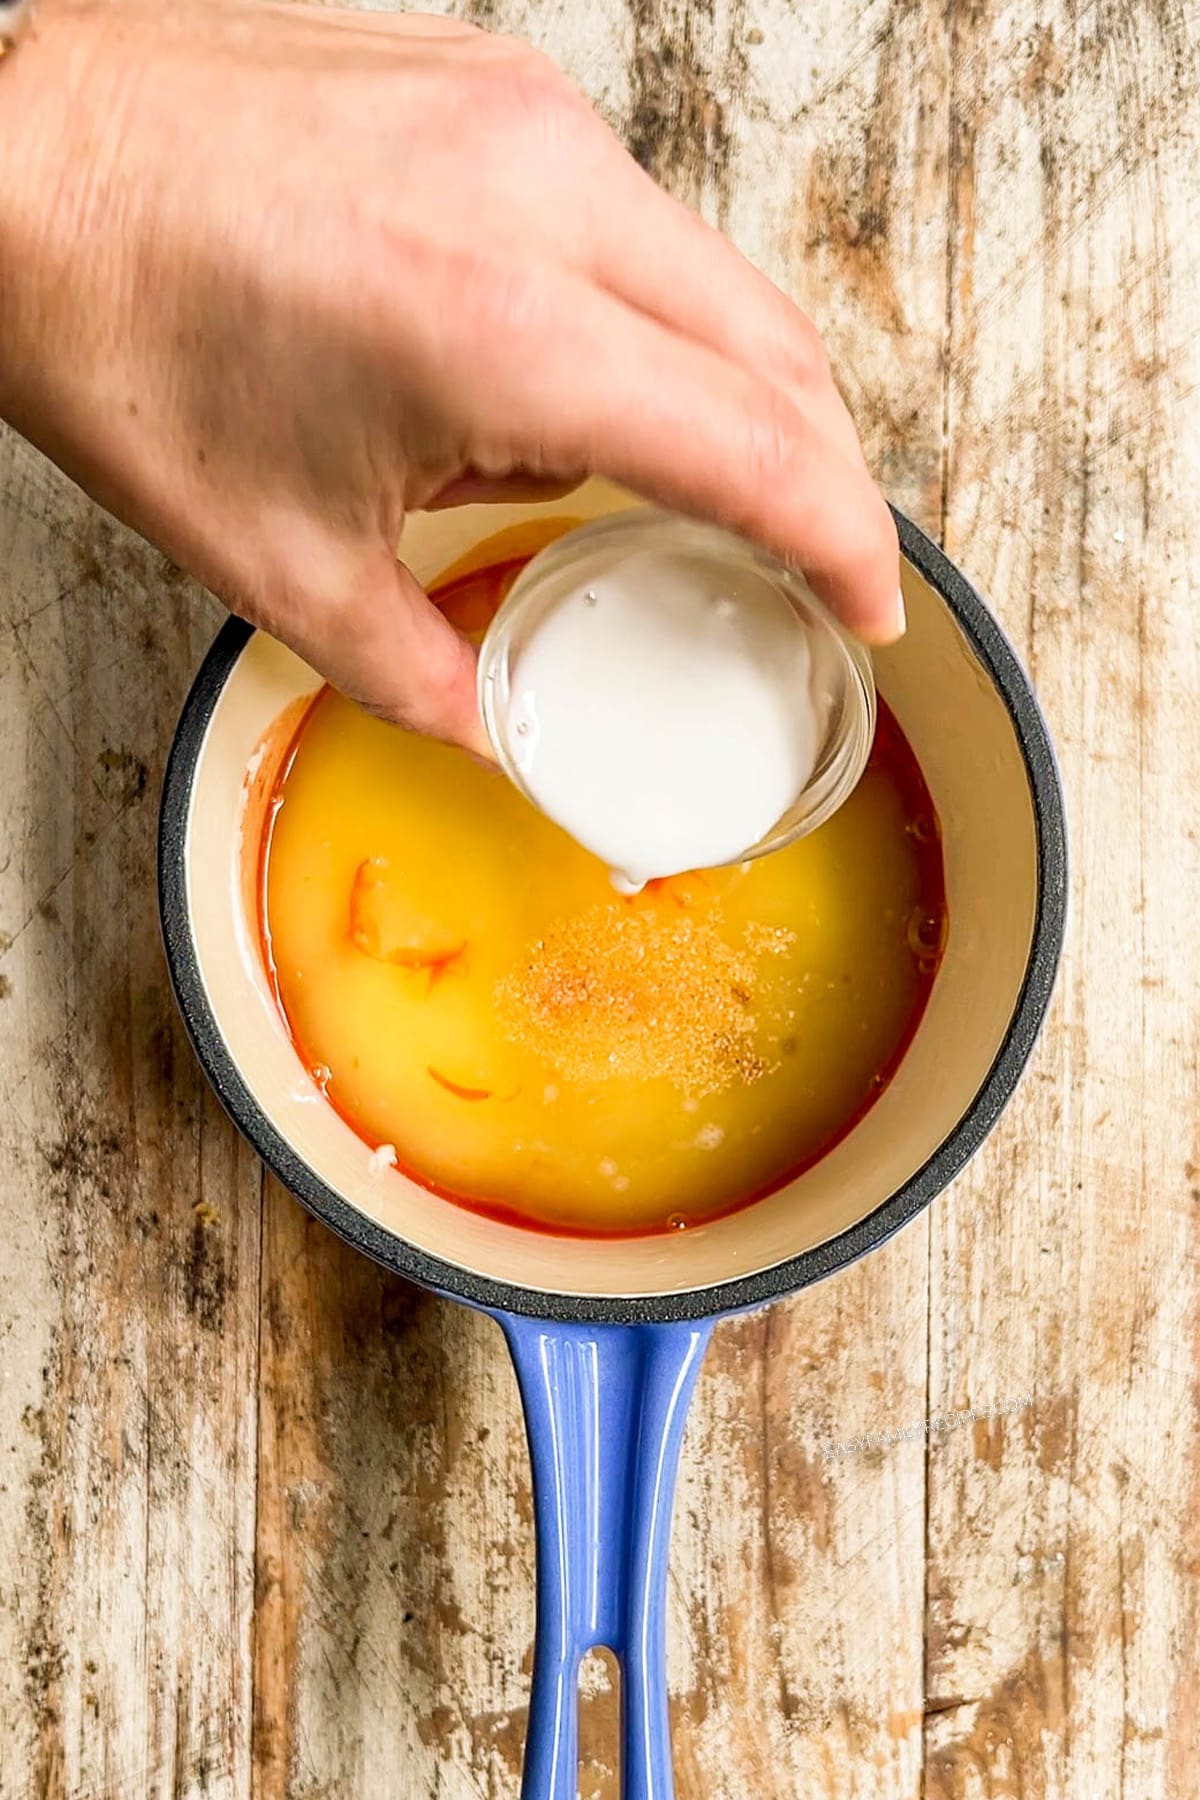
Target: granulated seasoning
643,992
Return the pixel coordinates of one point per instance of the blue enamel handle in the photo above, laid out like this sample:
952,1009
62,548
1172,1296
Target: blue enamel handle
605,1406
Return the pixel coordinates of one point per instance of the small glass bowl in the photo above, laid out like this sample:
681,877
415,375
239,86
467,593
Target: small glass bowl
841,667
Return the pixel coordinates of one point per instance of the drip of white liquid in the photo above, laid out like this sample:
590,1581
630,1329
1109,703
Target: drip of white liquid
665,713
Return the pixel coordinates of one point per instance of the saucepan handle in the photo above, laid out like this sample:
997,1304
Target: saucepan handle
605,1406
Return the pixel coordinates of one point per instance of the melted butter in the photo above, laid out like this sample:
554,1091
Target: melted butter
533,1045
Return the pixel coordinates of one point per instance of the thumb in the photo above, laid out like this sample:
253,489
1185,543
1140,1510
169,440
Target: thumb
388,647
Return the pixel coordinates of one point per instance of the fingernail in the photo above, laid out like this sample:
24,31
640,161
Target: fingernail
901,615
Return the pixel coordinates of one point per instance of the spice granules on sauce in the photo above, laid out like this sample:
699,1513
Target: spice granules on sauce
643,992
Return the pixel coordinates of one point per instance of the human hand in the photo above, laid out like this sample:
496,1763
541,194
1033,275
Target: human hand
272,276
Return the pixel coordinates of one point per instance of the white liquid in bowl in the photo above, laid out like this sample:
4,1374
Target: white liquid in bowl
666,713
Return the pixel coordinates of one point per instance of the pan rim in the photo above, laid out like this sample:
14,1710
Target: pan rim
741,1292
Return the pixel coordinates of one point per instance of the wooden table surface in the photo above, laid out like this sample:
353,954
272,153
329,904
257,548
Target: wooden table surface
264,1511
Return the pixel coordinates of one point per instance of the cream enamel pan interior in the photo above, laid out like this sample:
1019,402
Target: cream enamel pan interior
971,718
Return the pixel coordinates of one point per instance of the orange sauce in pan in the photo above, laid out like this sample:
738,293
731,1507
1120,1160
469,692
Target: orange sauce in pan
469,990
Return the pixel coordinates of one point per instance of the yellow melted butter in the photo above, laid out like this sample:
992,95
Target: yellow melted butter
487,1095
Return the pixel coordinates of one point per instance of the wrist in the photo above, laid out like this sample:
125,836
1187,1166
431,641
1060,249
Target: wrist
54,91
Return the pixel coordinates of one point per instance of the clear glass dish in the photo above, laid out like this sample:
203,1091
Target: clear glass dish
840,665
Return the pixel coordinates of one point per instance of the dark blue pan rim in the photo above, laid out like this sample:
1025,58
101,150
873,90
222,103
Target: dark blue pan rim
996,656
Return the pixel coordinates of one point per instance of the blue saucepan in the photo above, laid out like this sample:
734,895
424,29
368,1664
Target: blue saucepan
608,1340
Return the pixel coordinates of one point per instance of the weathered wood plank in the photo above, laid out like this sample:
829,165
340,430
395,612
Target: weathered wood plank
395,1551
1063,1549
129,1215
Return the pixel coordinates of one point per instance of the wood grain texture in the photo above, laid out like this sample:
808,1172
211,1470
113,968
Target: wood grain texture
1062,1549
264,1511
129,1222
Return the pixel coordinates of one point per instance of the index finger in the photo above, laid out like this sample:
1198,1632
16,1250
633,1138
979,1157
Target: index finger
586,382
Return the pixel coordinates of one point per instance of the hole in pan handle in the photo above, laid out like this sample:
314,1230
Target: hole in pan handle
605,1407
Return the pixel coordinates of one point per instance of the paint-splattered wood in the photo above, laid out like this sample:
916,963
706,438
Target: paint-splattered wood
264,1512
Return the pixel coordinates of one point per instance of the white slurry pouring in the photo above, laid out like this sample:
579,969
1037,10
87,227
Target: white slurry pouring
665,716
666,696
